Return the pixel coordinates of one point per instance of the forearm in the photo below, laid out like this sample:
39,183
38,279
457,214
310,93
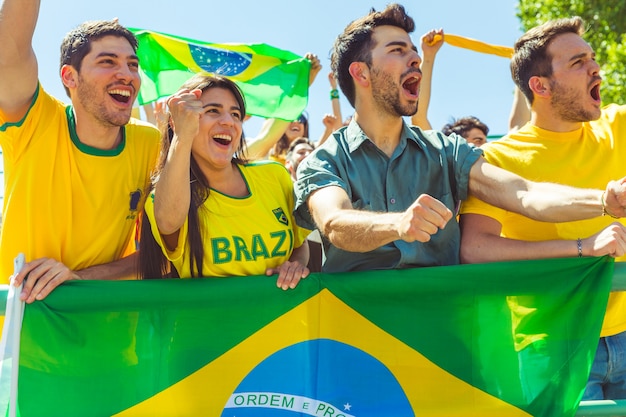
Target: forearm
325,135
520,112
482,248
271,131
125,268
336,106
558,203
545,202
301,254
172,195
420,118
361,231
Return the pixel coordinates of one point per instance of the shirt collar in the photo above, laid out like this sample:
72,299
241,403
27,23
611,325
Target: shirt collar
355,136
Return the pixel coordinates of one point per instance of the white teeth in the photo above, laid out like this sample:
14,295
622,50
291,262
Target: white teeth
120,92
223,137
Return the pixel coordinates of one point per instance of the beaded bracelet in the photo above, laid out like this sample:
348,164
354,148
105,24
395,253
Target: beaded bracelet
579,243
334,93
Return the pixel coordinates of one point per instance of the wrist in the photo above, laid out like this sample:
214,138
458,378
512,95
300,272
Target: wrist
604,210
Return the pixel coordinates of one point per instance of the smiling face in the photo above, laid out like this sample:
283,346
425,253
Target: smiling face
220,134
395,73
295,130
575,81
107,84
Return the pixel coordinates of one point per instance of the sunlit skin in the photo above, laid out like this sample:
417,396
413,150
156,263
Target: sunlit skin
294,130
575,97
476,137
211,122
395,73
104,90
300,152
219,131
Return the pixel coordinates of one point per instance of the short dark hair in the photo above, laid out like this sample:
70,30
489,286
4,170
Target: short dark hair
463,125
296,142
77,43
355,43
530,57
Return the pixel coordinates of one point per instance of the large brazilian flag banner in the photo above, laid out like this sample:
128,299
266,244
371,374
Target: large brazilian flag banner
442,341
275,82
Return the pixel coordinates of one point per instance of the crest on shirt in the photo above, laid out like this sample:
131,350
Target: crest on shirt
135,197
133,204
280,216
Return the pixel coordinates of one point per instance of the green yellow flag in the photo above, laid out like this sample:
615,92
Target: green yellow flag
436,341
274,81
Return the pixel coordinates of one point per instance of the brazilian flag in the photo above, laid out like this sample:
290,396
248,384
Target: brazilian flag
275,82
499,339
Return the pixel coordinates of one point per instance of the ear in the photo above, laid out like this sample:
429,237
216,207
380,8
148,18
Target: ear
360,73
539,86
69,76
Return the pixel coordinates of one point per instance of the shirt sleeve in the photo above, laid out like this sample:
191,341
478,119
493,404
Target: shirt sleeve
178,252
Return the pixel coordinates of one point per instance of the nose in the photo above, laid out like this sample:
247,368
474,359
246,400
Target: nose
416,60
227,119
124,73
595,67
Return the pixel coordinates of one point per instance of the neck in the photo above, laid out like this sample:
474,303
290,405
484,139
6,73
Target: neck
227,180
552,122
95,134
383,130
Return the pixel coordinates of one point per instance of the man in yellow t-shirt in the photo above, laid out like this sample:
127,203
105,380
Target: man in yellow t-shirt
570,140
76,176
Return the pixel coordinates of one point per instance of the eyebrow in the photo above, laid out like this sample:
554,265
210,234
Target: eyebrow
401,43
581,55
221,106
114,55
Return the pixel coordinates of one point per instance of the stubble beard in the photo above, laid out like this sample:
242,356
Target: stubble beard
387,96
94,105
567,103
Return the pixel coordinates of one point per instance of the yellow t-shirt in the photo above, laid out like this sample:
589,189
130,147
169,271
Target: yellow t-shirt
588,158
242,236
66,200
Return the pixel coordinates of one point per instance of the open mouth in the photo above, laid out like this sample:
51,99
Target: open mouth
595,92
223,139
123,96
412,85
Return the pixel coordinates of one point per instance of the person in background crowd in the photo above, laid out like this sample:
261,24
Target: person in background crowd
298,150
276,135
470,128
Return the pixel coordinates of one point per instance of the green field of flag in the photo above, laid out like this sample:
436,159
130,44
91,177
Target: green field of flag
275,82
435,341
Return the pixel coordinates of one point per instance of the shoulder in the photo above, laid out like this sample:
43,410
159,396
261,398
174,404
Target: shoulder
139,129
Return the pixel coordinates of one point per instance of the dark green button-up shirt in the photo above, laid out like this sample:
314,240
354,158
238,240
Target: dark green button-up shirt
425,162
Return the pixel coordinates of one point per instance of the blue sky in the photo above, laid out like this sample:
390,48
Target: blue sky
465,82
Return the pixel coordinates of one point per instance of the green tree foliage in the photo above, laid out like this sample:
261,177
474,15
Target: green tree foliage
606,33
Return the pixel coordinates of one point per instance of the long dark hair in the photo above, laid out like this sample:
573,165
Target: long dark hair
152,262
